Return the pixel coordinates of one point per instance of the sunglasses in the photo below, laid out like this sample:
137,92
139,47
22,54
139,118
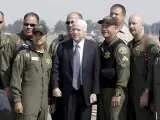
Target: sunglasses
27,24
1,22
69,22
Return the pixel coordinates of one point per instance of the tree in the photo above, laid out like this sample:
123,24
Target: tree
15,27
155,27
60,27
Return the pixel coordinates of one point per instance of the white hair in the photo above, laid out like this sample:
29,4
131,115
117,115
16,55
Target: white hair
81,22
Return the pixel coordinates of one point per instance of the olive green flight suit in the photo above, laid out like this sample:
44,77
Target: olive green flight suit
4,39
30,81
9,52
143,54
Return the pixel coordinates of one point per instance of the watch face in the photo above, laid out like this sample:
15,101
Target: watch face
146,90
118,94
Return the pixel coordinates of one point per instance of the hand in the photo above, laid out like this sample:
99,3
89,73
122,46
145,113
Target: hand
57,92
152,107
144,100
52,108
93,98
18,107
116,101
8,92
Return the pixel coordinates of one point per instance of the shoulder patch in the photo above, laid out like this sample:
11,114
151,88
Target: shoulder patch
6,40
122,50
155,49
122,57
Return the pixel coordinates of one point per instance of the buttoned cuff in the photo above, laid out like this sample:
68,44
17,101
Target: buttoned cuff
119,89
17,99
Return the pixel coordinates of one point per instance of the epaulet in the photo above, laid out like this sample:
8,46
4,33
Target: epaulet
61,37
7,33
89,38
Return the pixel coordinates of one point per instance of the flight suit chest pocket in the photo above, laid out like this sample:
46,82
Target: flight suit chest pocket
35,64
139,60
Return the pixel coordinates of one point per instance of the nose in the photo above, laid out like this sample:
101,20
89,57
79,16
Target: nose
113,15
75,31
70,24
29,26
130,25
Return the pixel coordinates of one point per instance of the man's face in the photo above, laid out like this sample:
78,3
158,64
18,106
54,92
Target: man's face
117,13
78,32
70,19
28,24
135,25
1,21
108,30
39,38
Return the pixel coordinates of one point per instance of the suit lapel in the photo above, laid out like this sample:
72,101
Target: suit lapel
70,53
85,53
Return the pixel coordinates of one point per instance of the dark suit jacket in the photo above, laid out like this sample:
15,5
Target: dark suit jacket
62,71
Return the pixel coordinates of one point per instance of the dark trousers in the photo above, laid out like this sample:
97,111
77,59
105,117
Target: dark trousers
76,109
5,109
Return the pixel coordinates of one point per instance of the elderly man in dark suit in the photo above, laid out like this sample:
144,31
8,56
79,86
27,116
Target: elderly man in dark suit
75,75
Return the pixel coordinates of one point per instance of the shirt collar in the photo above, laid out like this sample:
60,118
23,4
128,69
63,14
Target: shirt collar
123,29
80,44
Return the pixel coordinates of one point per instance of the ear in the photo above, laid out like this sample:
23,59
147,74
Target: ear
116,27
142,25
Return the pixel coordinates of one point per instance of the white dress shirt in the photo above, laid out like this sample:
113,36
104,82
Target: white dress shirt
80,48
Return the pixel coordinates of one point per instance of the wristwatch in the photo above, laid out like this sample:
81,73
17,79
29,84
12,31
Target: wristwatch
117,94
146,90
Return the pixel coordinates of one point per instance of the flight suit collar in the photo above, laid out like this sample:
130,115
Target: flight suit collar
34,48
25,39
22,35
141,40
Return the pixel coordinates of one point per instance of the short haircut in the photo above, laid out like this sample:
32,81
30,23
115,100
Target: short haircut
81,22
31,14
79,14
2,13
120,6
